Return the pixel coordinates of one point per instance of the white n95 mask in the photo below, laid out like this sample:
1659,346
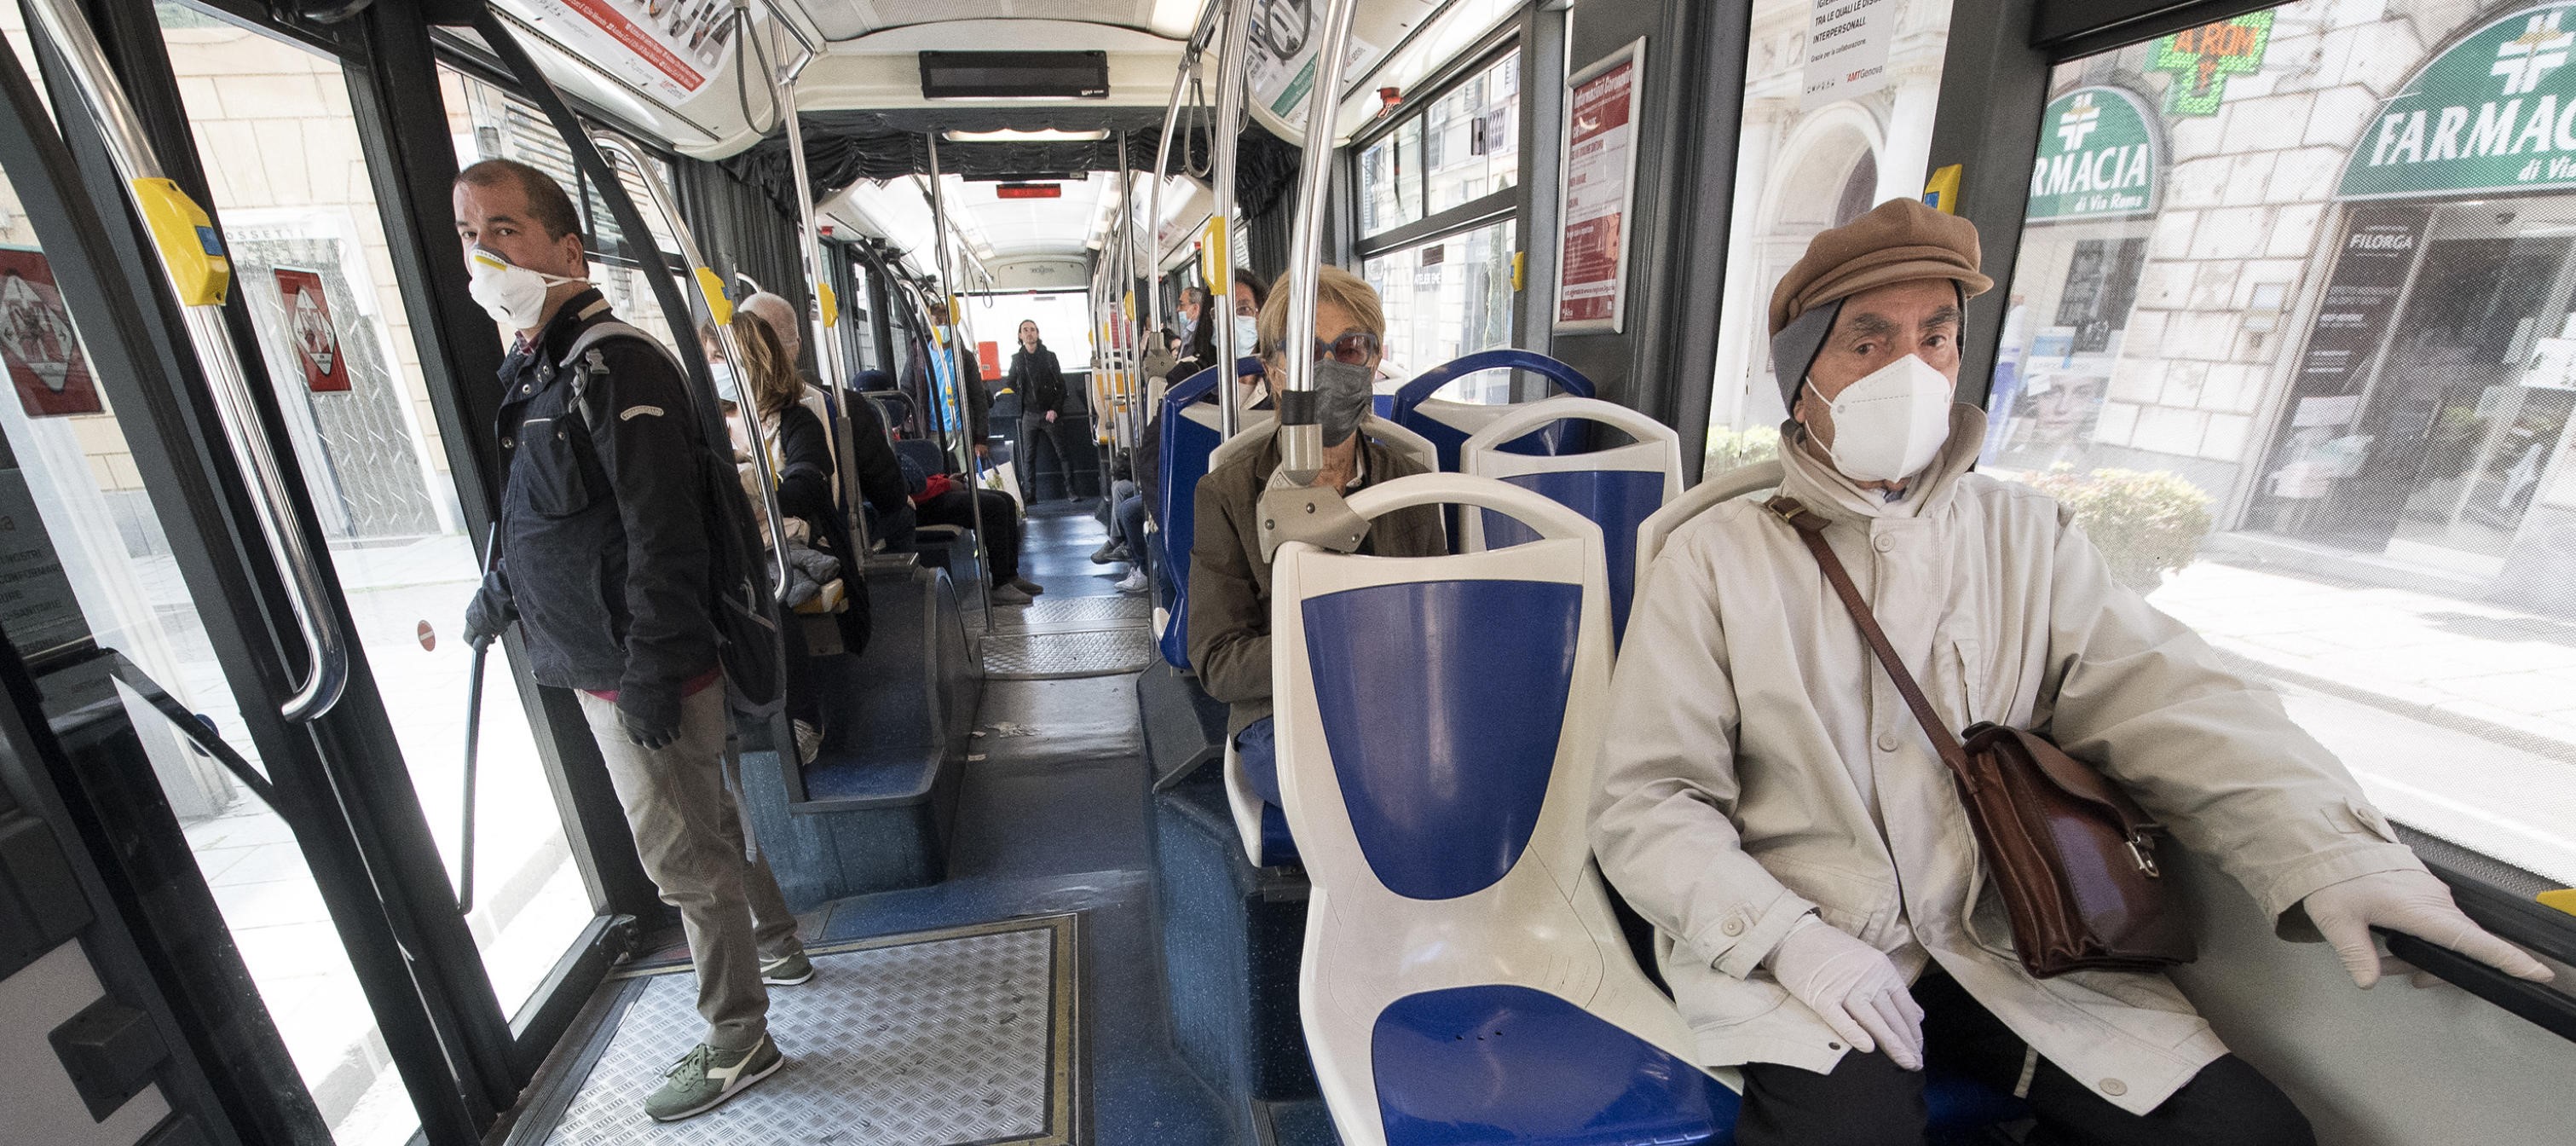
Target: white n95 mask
1890,424
512,294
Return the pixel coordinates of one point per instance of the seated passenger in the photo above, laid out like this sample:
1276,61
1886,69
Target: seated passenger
1229,581
1126,541
819,548
1770,804
871,455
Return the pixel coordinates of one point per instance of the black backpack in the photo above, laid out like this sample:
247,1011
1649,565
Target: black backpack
748,643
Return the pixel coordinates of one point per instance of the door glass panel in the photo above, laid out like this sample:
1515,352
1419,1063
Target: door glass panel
70,482
2299,346
1471,137
274,129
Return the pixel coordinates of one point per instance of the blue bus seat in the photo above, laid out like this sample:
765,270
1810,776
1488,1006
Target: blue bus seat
1615,488
1463,978
1189,435
1447,423
1267,840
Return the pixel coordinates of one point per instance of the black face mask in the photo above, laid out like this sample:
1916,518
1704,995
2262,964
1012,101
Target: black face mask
1343,396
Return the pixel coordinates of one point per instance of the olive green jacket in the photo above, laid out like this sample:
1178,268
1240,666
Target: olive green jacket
1230,583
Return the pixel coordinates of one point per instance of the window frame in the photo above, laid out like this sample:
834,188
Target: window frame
1415,108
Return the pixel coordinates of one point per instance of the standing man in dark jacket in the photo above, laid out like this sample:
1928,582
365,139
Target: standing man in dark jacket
1040,383
604,562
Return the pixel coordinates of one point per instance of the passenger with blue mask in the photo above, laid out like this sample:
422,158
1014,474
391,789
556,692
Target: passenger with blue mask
1229,577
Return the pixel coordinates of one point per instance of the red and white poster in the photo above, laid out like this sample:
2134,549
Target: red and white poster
309,327
671,48
1600,169
36,338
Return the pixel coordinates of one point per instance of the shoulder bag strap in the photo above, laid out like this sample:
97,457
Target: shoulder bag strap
1811,529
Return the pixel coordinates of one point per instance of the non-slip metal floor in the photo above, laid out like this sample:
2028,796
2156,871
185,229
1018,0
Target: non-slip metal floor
1063,656
961,1037
1086,612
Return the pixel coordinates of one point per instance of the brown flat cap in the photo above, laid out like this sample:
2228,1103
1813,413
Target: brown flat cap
1900,240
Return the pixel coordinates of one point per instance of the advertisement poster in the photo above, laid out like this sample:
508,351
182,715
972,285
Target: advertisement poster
1600,167
671,48
1846,50
1285,37
44,356
308,322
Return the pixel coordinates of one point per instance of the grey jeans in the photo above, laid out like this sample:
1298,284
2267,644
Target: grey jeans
689,836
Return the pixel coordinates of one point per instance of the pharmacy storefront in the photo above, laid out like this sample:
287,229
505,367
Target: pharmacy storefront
2318,263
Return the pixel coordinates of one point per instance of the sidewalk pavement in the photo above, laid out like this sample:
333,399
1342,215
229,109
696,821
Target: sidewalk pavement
2457,717
2502,673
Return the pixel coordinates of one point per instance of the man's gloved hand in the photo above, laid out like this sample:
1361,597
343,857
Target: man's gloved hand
650,716
1854,987
490,612
2418,904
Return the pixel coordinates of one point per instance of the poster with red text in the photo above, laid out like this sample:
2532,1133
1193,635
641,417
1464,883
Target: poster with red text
310,329
671,48
36,338
1600,170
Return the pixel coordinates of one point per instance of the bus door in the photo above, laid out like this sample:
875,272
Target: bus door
292,854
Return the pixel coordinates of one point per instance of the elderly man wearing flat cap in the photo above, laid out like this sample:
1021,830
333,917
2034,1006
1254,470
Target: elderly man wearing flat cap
1769,802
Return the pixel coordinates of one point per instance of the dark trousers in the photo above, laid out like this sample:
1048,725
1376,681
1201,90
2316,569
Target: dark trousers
1129,521
1039,436
1870,1101
1001,523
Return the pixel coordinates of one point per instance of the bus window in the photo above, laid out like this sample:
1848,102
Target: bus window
2291,329
490,123
1806,162
1438,224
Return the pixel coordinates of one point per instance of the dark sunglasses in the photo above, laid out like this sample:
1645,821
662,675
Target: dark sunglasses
1353,348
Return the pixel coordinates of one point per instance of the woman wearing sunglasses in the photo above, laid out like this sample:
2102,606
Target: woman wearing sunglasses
1229,580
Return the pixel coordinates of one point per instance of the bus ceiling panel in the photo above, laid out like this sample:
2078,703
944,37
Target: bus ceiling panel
844,147
896,21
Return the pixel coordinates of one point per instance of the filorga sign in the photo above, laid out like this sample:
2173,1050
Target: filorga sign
2097,157
2496,112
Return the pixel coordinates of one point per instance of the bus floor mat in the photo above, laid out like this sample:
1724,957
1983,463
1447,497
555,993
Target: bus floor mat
960,1036
1062,656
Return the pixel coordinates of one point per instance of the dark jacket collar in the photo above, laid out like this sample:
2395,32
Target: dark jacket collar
576,314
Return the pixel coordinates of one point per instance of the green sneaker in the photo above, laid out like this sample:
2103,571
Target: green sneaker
787,970
706,1077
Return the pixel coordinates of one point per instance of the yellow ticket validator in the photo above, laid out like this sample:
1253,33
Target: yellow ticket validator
831,305
199,270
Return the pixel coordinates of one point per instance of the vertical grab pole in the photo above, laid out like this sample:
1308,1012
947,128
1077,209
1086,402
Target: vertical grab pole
957,391
1231,81
1123,383
1301,437
822,309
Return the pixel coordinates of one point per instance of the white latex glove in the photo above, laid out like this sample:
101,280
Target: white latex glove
1855,987
2418,904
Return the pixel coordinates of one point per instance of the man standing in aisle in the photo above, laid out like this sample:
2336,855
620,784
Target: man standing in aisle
1040,383
604,559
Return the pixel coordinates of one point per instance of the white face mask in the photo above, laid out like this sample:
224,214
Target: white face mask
512,294
726,387
1246,332
1890,424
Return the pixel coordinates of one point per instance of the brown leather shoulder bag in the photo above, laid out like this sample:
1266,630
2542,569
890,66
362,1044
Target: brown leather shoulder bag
2072,855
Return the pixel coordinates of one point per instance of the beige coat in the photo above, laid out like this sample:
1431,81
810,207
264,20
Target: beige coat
1755,749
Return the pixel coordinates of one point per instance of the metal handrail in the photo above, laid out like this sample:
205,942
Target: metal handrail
149,191
957,386
124,669
1301,438
615,150
1232,79
827,344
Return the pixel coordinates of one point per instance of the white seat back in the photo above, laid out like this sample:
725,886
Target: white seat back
1438,723
1616,488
